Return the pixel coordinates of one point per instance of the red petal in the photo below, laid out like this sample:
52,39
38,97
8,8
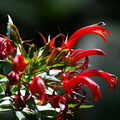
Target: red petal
19,64
110,78
86,30
85,64
44,39
37,87
69,84
86,53
52,42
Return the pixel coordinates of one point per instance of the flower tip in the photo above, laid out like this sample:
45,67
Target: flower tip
100,52
101,23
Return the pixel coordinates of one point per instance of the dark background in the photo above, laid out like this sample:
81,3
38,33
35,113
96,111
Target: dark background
69,15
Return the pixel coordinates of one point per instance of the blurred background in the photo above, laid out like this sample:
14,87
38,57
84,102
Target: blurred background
48,16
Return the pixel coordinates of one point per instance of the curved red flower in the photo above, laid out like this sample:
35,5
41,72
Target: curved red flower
111,79
74,57
69,84
86,30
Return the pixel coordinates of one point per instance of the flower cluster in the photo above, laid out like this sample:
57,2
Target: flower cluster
50,78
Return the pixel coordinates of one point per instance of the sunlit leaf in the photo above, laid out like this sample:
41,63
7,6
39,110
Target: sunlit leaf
86,106
81,106
20,115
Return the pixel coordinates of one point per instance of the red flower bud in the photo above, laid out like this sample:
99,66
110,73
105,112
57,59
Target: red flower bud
19,63
37,87
6,47
13,77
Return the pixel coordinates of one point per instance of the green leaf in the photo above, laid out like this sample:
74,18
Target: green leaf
31,104
86,106
20,115
57,65
5,105
3,80
1,76
10,20
12,32
81,106
50,114
27,111
7,67
54,72
47,111
45,107
3,87
48,77
9,29
3,96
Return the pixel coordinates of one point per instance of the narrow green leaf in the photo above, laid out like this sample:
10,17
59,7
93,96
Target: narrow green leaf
16,36
86,106
9,29
10,20
3,80
12,32
81,106
5,105
31,104
27,111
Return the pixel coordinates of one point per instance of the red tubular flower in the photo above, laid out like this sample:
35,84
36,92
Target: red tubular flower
86,30
111,79
18,63
73,59
37,87
69,84
6,46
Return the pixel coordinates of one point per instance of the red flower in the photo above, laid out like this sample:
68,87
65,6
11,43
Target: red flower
69,84
82,79
111,79
6,46
75,55
37,87
18,63
86,30
55,102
